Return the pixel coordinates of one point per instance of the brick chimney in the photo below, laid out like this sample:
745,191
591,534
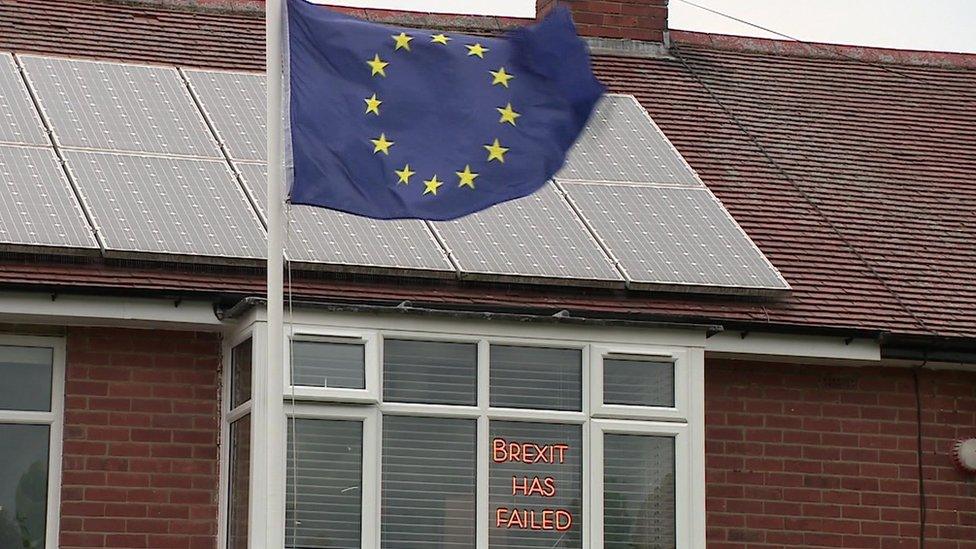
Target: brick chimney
645,20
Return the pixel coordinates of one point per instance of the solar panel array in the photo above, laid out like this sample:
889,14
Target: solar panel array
316,235
18,119
37,207
163,162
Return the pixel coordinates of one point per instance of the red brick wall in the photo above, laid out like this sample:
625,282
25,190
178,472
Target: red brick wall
140,451
804,456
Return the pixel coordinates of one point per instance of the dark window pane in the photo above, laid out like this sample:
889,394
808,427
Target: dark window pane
240,374
327,364
545,493
324,485
638,382
430,372
239,485
638,492
26,373
429,482
23,485
536,377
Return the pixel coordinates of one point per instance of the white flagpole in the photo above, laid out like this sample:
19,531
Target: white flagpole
267,512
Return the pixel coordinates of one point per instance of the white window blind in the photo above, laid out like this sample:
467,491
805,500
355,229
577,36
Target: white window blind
511,486
324,483
639,492
636,381
429,482
329,364
539,378
430,372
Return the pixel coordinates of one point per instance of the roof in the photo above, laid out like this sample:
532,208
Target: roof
851,170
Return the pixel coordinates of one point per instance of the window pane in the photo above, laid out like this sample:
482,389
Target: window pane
239,487
430,372
23,485
26,373
638,492
429,482
325,463
638,382
536,377
535,485
240,374
326,364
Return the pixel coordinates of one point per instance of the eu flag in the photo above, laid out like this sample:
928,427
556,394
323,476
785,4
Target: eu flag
396,123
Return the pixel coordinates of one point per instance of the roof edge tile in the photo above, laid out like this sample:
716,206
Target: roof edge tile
792,48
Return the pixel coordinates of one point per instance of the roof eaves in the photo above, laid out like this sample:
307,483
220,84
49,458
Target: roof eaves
793,48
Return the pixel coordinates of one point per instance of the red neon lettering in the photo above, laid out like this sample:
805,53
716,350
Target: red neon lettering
498,453
547,519
503,451
500,516
536,487
559,520
567,520
561,448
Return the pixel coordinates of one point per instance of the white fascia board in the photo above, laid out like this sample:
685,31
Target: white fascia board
736,344
83,310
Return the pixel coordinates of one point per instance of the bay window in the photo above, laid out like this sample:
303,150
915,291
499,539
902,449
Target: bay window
497,439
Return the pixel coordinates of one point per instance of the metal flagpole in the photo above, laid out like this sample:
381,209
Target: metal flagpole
267,509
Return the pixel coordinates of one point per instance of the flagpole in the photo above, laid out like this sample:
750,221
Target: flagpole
267,510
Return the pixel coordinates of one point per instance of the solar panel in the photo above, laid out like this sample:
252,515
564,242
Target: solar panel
235,104
126,108
19,122
318,235
37,206
622,144
167,205
535,236
673,235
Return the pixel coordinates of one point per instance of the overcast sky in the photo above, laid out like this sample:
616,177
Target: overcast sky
941,25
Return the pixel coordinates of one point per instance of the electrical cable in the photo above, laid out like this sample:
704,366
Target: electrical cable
293,422
821,47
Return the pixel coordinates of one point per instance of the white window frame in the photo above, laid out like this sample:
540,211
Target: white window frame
686,346
371,466
683,501
231,415
54,419
371,356
681,359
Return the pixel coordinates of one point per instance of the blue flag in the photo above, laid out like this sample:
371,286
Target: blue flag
396,123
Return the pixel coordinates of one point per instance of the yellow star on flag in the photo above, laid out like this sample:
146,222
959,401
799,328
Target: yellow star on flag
477,49
404,175
501,77
381,144
466,178
431,185
439,39
402,41
496,152
373,105
377,65
508,114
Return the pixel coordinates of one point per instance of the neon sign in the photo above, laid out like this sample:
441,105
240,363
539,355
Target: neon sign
530,453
